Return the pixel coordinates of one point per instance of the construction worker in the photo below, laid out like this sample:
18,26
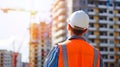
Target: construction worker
75,51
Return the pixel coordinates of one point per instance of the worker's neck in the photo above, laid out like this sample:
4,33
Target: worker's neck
72,34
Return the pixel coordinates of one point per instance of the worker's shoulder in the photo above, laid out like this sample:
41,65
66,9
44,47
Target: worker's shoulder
54,46
63,43
59,44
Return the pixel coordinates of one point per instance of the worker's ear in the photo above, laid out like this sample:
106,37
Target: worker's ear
85,30
68,26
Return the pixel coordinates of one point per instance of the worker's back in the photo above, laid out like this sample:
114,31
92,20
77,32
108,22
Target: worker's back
80,54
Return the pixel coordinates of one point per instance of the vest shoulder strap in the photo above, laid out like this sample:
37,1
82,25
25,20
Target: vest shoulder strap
95,58
65,57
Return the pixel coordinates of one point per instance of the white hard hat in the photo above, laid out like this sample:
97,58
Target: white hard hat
79,19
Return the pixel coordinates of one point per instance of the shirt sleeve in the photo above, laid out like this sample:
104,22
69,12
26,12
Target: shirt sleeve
101,62
52,58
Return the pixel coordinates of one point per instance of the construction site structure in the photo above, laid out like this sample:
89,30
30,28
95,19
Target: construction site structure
58,15
40,43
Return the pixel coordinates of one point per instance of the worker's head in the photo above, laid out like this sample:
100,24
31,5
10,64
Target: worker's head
78,22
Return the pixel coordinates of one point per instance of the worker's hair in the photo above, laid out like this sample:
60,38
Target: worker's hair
77,31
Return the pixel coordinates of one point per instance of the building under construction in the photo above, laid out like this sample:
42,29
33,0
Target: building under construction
59,14
40,43
104,29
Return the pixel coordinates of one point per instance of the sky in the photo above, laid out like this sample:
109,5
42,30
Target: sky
14,25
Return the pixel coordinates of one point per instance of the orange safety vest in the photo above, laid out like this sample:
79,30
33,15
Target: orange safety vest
79,54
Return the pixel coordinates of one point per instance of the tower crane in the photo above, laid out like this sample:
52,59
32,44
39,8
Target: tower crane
32,15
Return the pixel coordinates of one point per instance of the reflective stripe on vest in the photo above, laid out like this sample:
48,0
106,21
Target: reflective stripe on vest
65,57
95,57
